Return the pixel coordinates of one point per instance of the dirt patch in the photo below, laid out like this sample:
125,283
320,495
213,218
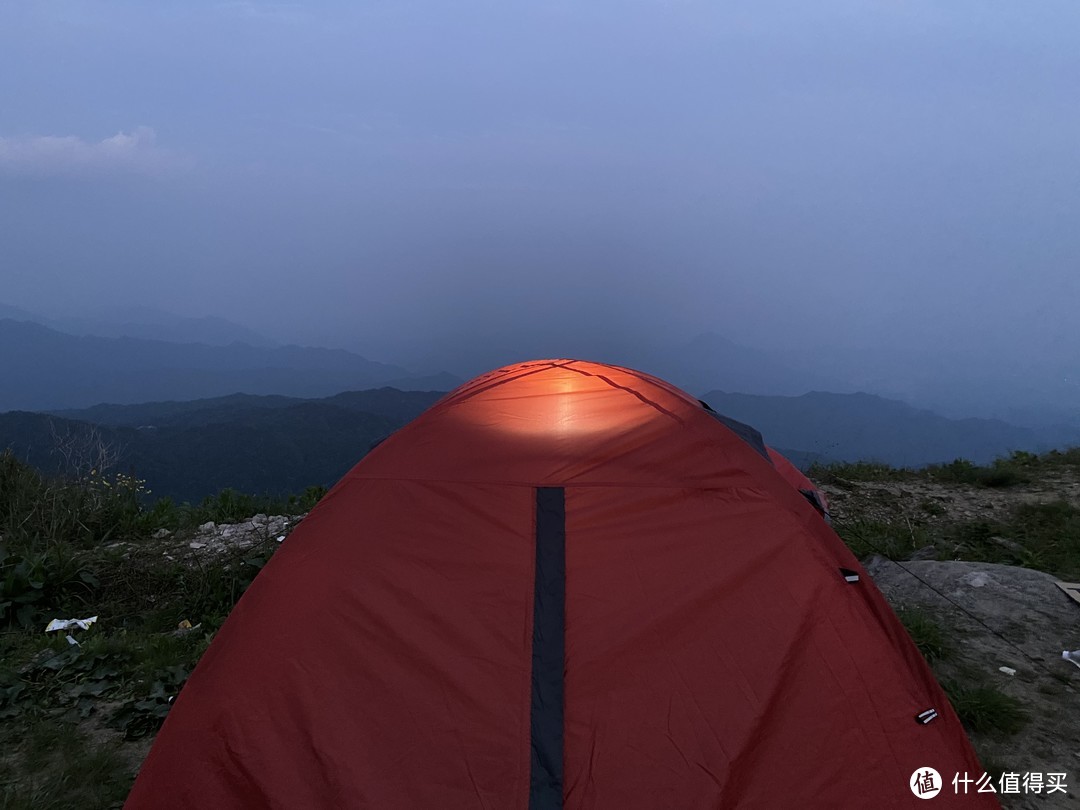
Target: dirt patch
934,503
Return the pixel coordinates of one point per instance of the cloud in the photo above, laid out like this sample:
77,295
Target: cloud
136,152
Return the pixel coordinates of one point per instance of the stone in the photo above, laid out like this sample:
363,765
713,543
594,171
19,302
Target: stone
976,579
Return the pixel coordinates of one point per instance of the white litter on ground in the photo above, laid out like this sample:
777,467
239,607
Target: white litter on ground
70,624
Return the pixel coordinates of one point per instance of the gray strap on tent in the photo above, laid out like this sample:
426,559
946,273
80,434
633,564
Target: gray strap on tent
744,432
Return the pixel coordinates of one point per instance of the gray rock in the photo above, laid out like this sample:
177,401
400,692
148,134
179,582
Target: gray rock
976,579
994,616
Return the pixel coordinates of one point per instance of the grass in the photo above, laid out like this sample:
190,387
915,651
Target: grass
985,709
932,508
897,541
54,765
840,473
1044,536
78,548
71,546
926,632
981,708
1015,469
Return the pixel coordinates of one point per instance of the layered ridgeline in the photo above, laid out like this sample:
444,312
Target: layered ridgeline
188,450
44,369
279,444
865,427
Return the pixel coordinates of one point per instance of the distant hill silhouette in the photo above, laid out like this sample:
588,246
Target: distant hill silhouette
698,364
391,403
43,369
803,459
147,323
257,444
706,360
857,427
279,444
273,451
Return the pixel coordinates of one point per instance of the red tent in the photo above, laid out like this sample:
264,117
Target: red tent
794,476
564,585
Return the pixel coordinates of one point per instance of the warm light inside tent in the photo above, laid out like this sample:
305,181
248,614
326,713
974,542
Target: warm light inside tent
568,404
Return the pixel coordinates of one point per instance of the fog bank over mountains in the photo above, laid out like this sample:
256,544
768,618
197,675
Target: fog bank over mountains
44,369
1034,391
770,197
207,409
139,354
142,354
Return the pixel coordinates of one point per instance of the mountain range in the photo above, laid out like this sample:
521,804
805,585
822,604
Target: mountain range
43,369
278,444
173,405
147,323
187,450
864,427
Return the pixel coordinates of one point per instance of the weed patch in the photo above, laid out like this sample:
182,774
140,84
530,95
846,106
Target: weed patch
986,709
897,541
1042,536
839,473
56,766
926,632
81,547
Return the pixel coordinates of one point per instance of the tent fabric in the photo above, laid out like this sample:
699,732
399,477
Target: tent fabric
564,585
794,476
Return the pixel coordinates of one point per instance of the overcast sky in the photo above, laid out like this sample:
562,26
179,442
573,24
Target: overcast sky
901,177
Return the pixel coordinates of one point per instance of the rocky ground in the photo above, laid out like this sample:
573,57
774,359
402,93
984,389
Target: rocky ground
937,503
1005,627
212,539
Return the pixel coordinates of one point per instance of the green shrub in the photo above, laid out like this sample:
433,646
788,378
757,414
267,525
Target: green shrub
932,507
1062,458
1002,472
77,547
72,545
32,581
